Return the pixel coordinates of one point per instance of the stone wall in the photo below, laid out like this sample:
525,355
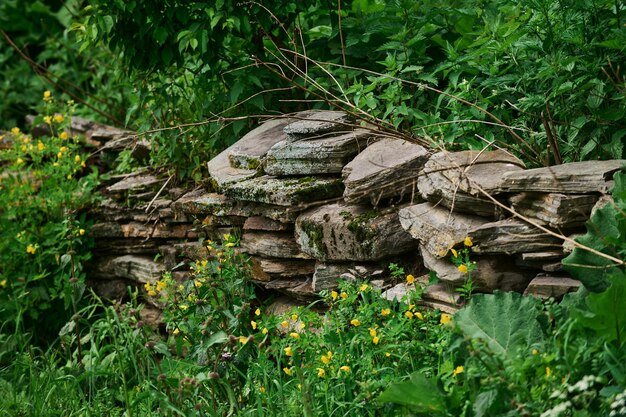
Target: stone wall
315,199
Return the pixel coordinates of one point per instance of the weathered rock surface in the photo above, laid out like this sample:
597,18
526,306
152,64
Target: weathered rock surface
250,150
351,233
110,289
131,246
266,224
131,267
546,286
175,253
436,228
318,156
327,274
385,169
141,230
454,179
266,269
136,185
317,124
281,214
201,202
573,178
272,245
223,173
555,210
285,191
511,236
491,273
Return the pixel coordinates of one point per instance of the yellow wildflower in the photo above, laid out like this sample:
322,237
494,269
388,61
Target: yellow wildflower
230,245
160,285
197,283
226,236
176,331
462,269
445,319
419,315
457,370
41,146
375,340
385,311
59,118
31,249
372,332
535,352
3,283
60,155
243,339
81,231
363,287
287,371
19,161
284,323
257,312
63,136
288,351
410,279
183,307
253,324
409,314
46,95
294,335
334,295
345,368
77,158
262,390
454,253
321,372
344,295
264,331
302,325
152,293
48,120
355,322
387,354
294,317
327,357
548,372
468,241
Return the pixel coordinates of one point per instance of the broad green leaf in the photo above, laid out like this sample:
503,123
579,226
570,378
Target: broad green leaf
420,393
217,338
506,321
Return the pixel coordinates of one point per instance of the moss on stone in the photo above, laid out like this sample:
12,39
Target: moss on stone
315,234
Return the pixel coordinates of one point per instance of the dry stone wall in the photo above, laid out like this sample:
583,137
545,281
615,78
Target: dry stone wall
316,198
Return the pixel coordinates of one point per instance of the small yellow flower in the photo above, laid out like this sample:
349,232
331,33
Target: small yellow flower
3,283
81,232
302,325
445,319
334,295
548,372
409,314
288,351
385,312
294,335
243,339
327,357
41,146
344,295
410,279
60,155
387,354
363,287
355,322
454,253
46,94
160,285
262,390
19,161
294,317
468,241
458,370
183,307
253,324
152,293
77,158
264,331
48,120
59,118
284,323
176,331
226,236
375,340
230,245
419,315
15,131
345,368
257,312
462,269
372,332
321,372
197,283
63,136
535,352
287,371
31,249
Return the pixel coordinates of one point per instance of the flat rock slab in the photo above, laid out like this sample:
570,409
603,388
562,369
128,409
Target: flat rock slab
175,253
250,150
110,289
327,275
572,178
127,246
351,233
266,224
281,214
550,286
436,227
491,273
131,267
317,124
272,244
222,173
285,191
141,230
385,169
269,269
135,184
554,209
200,202
318,156
453,179
511,236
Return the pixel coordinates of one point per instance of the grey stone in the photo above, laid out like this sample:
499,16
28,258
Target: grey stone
249,151
453,179
298,288
319,156
266,224
568,246
437,228
550,286
141,230
386,169
272,245
222,173
318,123
110,289
491,273
572,178
135,184
128,246
269,269
555,210
543,256
281,214
138,269
201,202
285,191
351,233
511,236
175,253
327,274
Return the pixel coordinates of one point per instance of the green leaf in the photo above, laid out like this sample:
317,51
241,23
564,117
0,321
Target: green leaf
420,393
506,321
217,338
160,35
